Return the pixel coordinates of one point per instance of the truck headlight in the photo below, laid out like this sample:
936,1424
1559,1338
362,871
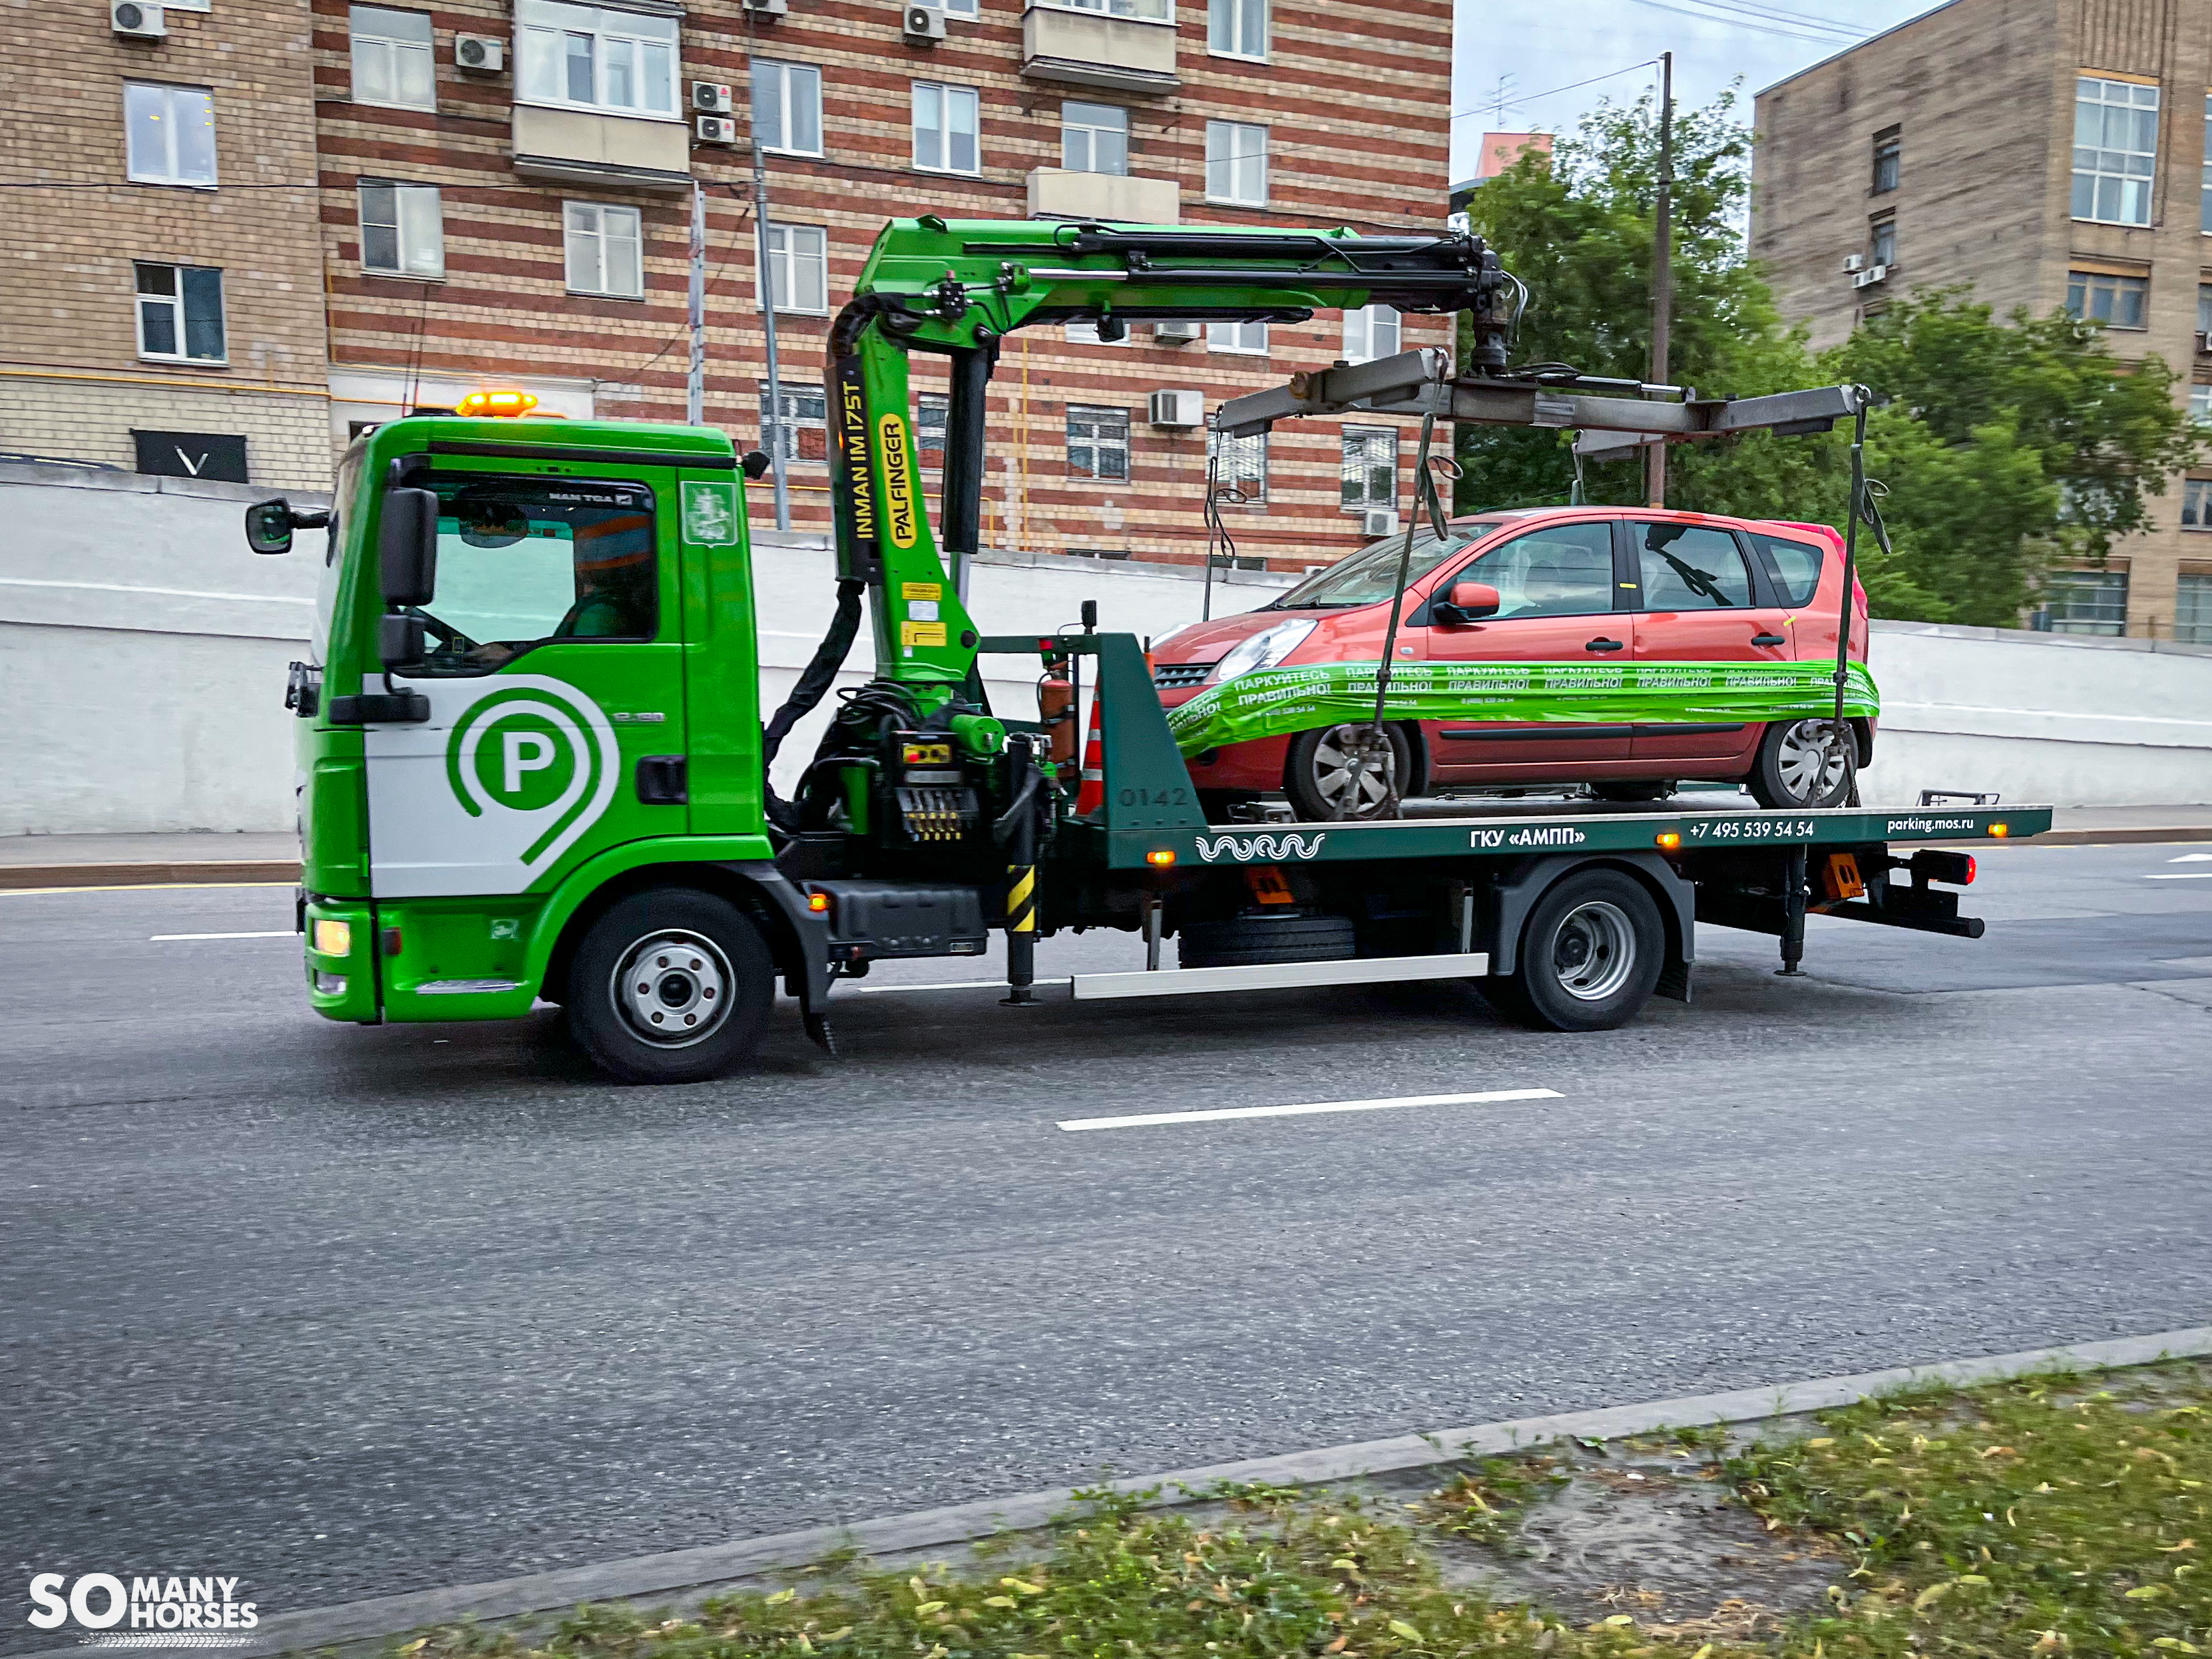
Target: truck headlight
333,938
1262,650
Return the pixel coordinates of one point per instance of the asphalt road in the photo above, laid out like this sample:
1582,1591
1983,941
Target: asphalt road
347,1312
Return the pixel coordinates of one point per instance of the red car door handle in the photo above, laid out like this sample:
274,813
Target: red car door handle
1768,639
1604,644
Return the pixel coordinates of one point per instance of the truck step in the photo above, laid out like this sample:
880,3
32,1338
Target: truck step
1280,975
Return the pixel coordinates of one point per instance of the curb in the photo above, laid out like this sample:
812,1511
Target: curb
677,1570
205,872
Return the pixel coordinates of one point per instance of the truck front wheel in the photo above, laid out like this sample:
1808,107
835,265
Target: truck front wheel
1588,958
674,986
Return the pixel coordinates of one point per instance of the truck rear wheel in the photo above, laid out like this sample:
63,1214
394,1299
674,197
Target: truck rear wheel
669,987
1590,956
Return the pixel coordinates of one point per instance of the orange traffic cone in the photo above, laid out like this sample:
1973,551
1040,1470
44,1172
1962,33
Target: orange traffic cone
1090,789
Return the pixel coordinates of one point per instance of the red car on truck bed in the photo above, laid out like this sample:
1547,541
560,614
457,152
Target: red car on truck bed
1580,584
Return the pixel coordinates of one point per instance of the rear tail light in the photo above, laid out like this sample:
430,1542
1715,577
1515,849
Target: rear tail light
1953,869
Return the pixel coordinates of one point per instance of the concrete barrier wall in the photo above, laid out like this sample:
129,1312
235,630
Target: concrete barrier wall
142,654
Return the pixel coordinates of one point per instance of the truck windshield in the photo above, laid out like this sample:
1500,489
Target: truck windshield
1367,576
326,586
525,562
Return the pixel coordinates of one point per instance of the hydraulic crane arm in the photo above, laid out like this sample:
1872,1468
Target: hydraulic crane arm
958,287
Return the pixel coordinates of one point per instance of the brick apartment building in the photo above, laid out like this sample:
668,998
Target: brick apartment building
2051,152
506,192
159,268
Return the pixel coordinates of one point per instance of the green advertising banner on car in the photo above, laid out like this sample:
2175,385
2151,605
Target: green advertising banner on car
1274,700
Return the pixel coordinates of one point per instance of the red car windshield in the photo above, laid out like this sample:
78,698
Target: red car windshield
1370,575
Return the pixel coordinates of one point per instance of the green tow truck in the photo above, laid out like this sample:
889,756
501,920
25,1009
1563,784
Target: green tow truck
533,764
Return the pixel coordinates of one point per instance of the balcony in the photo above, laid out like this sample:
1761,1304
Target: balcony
1097,48
1056,193
574,146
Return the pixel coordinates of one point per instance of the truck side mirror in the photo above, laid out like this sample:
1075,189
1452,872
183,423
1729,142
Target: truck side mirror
407,546
755,464
1470,602
400,640
269,526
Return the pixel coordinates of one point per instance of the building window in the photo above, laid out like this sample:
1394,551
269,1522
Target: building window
624,61
605,252
2085,602
1370,332
960,8
1094,138
180,312
2193,610
1237,28
1370,467
788,107
1087,334
2196,503
2200,404
1161,12
803,429
1239,464
932,413
392,59
169,134
2116,301
1887,148
403,231
1881,241
2115,150
2204,312
1236,163
1097,443
944,128
1251,337
2204,186
799,267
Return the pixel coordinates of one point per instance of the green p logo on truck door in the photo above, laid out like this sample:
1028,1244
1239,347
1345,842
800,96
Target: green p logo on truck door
503,779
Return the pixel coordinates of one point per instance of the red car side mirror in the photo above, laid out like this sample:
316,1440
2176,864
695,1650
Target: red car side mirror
1471,601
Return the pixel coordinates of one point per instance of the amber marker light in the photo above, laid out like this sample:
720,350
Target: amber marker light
1161,858
2001,830
496,402
1670,840
818,903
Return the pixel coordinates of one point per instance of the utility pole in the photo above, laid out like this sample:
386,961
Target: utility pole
695,383
772,426
1662,273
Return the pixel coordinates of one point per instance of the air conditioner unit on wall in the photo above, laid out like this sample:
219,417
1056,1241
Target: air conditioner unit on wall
717,130
1175,331
1854,264
136,20
710,98
480,54
1871,276
1186,409
767,8
925,22
1379,521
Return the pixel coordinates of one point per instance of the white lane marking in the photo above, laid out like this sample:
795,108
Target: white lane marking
2192,857
2182,875
949,985
1142,1118
281,932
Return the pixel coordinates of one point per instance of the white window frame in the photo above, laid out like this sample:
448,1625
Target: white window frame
1239,469
2197,503
1229,28
958,8
2135,171
794,250
1363,436
1087,334
1155,11
1238,338
2192,608
788,77
798,402
584,225
946,131
547,24
175,109
420,54
1370,330
174,304
2200,408
1105,442
1091,131
1226,157
432,268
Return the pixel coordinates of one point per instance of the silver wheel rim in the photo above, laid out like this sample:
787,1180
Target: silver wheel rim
1593,951
1809,760
1332,769
672,988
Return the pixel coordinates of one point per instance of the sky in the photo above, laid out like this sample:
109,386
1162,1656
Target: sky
1545,44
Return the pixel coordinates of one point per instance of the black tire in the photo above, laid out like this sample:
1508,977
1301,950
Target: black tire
694,999
1799,768
1317,757
1631,792
1248,941
1590,956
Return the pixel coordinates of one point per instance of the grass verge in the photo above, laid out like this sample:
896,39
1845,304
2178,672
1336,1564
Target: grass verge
2046,1516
